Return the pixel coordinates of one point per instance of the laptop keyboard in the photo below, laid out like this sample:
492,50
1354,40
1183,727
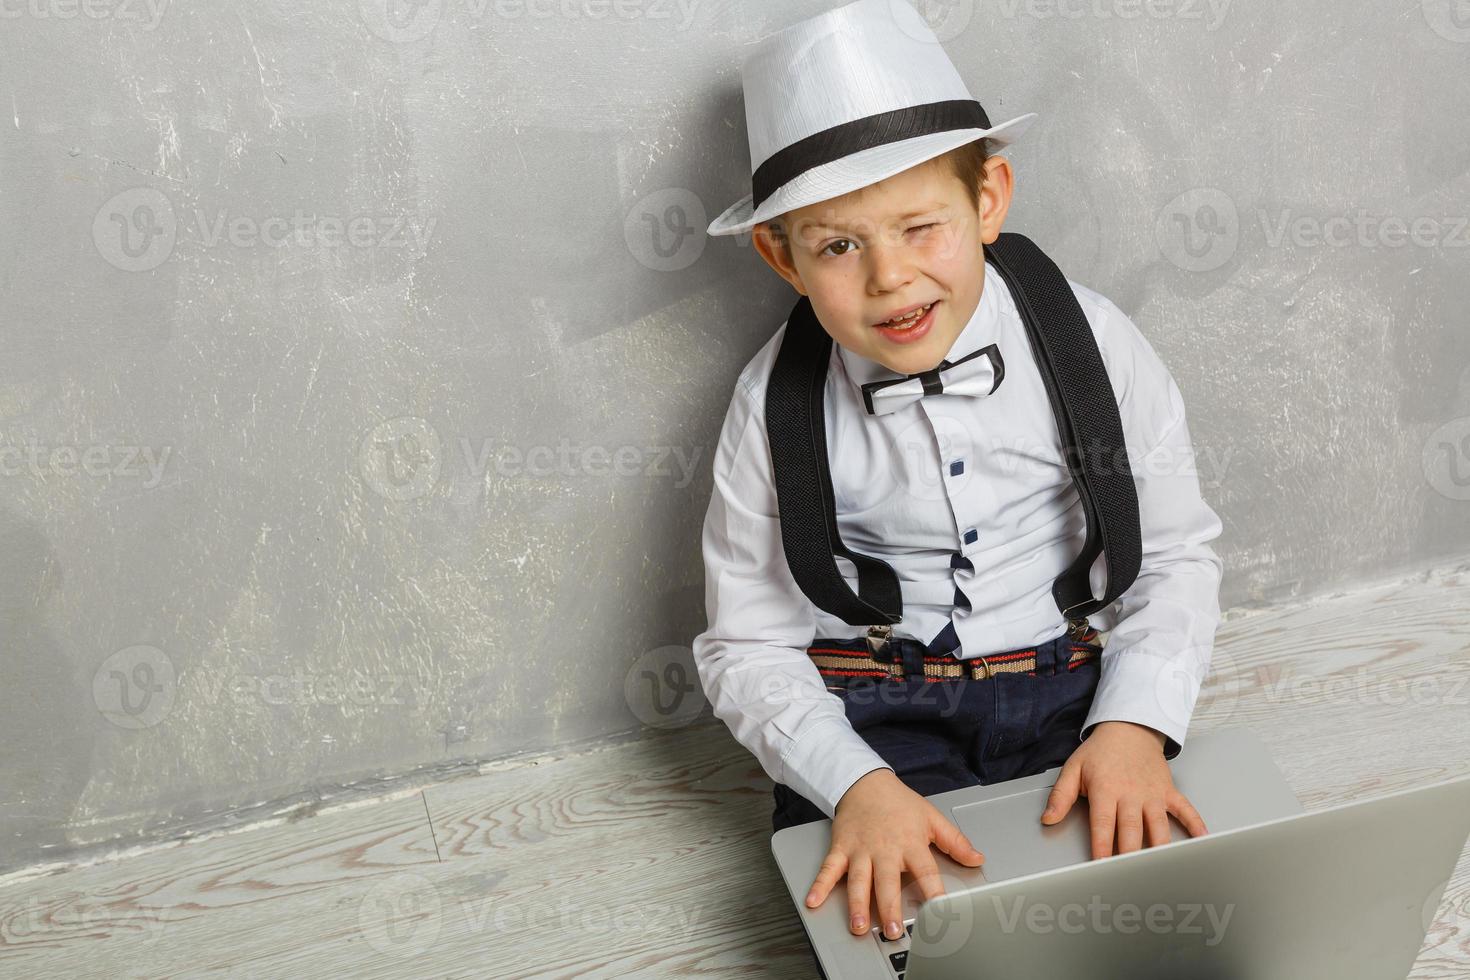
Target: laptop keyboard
896,951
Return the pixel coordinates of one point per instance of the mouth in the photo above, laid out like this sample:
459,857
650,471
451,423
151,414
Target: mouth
910,325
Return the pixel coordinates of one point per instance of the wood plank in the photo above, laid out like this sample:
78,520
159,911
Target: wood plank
170,909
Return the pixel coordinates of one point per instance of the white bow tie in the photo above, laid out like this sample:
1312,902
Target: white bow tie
977,374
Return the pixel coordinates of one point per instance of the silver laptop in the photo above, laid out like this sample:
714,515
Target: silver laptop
1271,891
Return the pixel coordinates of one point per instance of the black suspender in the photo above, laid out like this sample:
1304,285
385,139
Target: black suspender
796,427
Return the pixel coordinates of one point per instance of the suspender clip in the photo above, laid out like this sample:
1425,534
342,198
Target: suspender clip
878,637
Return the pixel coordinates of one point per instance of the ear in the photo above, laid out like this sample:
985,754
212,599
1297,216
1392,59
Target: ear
995,198
777,257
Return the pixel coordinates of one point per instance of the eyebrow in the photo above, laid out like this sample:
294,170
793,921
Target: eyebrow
922,209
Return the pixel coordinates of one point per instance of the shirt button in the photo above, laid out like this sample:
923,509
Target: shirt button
957,467
971,535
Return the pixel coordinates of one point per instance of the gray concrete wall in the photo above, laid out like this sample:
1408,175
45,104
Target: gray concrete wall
359,374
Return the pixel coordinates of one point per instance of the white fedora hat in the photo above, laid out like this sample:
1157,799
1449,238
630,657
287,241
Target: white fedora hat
844,99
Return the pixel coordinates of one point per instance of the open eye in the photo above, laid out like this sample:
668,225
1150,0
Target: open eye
839,241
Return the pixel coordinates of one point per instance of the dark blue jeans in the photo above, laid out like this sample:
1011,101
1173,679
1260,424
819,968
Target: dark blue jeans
940,735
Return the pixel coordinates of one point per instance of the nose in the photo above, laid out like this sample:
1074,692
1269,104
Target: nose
890,268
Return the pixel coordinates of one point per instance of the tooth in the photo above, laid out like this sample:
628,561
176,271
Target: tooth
910,316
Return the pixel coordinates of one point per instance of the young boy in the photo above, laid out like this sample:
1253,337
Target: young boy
874,195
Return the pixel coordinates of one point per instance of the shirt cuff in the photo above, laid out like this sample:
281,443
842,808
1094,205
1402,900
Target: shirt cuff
1146,690
824,763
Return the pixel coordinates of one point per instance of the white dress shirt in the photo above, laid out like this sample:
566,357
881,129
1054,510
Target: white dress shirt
968,499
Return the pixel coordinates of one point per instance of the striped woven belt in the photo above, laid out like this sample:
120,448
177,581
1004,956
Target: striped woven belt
842,664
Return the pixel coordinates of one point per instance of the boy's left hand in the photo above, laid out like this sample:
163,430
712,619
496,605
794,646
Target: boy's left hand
1120,768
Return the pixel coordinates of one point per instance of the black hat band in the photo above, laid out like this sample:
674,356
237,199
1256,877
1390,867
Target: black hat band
848,138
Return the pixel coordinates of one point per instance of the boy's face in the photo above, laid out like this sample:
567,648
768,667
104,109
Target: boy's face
909,240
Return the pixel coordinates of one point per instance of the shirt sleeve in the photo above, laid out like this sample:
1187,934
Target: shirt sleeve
752,658
1162,630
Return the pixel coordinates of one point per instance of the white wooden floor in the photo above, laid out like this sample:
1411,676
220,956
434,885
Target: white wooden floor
652,858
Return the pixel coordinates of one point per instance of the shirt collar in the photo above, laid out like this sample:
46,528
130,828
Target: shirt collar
982,329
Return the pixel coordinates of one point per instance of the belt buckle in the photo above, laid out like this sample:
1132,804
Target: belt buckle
1077,628
878,646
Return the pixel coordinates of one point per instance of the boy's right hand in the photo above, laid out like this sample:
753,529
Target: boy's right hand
880,828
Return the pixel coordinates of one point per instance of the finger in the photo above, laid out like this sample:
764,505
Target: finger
1104,815
827,878
952,841
859,889
1130,825
1156,821
926,873
1063,794
886,880
1179,805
